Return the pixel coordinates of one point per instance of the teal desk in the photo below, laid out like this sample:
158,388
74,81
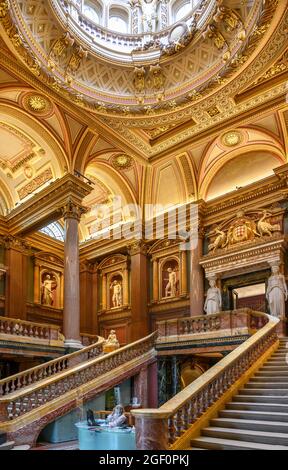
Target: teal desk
104,438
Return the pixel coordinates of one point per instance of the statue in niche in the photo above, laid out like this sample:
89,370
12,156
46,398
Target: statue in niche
149,16
48,287
116,287
170,289
213,302
277,293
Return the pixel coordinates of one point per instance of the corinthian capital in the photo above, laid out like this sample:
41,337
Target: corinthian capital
73,211
136,247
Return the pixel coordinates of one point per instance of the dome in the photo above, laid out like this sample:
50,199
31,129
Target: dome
115,29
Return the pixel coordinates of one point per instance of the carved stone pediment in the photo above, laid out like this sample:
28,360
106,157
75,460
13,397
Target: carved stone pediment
246,227
112,261
164,245
51,259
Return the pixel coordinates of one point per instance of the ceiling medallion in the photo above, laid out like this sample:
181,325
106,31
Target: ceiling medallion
231,138
38,104
122,162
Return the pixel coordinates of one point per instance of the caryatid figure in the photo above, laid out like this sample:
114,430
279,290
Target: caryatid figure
277,293
213,302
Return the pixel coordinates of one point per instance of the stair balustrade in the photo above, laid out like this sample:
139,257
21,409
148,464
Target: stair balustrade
161,428
18,400
49,369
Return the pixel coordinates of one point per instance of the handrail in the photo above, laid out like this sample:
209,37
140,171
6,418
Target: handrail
20,402
50,368
178,414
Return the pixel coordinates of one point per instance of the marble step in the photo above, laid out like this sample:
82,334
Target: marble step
274,385
278,361
257,406
254,415
268,379
230,444
273,369
260,399
250,424
261,437
281,392
271,373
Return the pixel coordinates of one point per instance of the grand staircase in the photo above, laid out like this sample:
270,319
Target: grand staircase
257,417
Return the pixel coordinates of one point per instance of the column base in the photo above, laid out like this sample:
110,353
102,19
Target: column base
73,344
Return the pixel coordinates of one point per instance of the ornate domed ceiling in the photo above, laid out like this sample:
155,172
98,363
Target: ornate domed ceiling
154,72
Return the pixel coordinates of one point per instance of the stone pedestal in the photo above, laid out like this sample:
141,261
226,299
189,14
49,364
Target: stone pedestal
151,430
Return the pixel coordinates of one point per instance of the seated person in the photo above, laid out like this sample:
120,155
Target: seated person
117,417
90,418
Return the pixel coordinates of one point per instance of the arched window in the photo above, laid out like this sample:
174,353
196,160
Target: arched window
118,20
54,230
181,9
93,11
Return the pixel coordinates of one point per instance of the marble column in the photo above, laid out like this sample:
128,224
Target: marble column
196,273
175,376
71,320
141,387
155,280
139,290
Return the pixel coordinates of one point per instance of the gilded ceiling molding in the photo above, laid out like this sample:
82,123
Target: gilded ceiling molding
121,181
207,175
41,130
37,104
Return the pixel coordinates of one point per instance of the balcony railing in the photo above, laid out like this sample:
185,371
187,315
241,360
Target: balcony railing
31,331
231,322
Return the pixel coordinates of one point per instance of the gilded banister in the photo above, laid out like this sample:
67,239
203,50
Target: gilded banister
173,419
25,399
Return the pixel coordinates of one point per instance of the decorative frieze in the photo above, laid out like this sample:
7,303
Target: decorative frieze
35,183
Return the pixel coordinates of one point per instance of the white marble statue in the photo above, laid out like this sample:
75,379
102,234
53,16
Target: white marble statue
213,302
47,290
149,15
116,287
277,293
170,289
